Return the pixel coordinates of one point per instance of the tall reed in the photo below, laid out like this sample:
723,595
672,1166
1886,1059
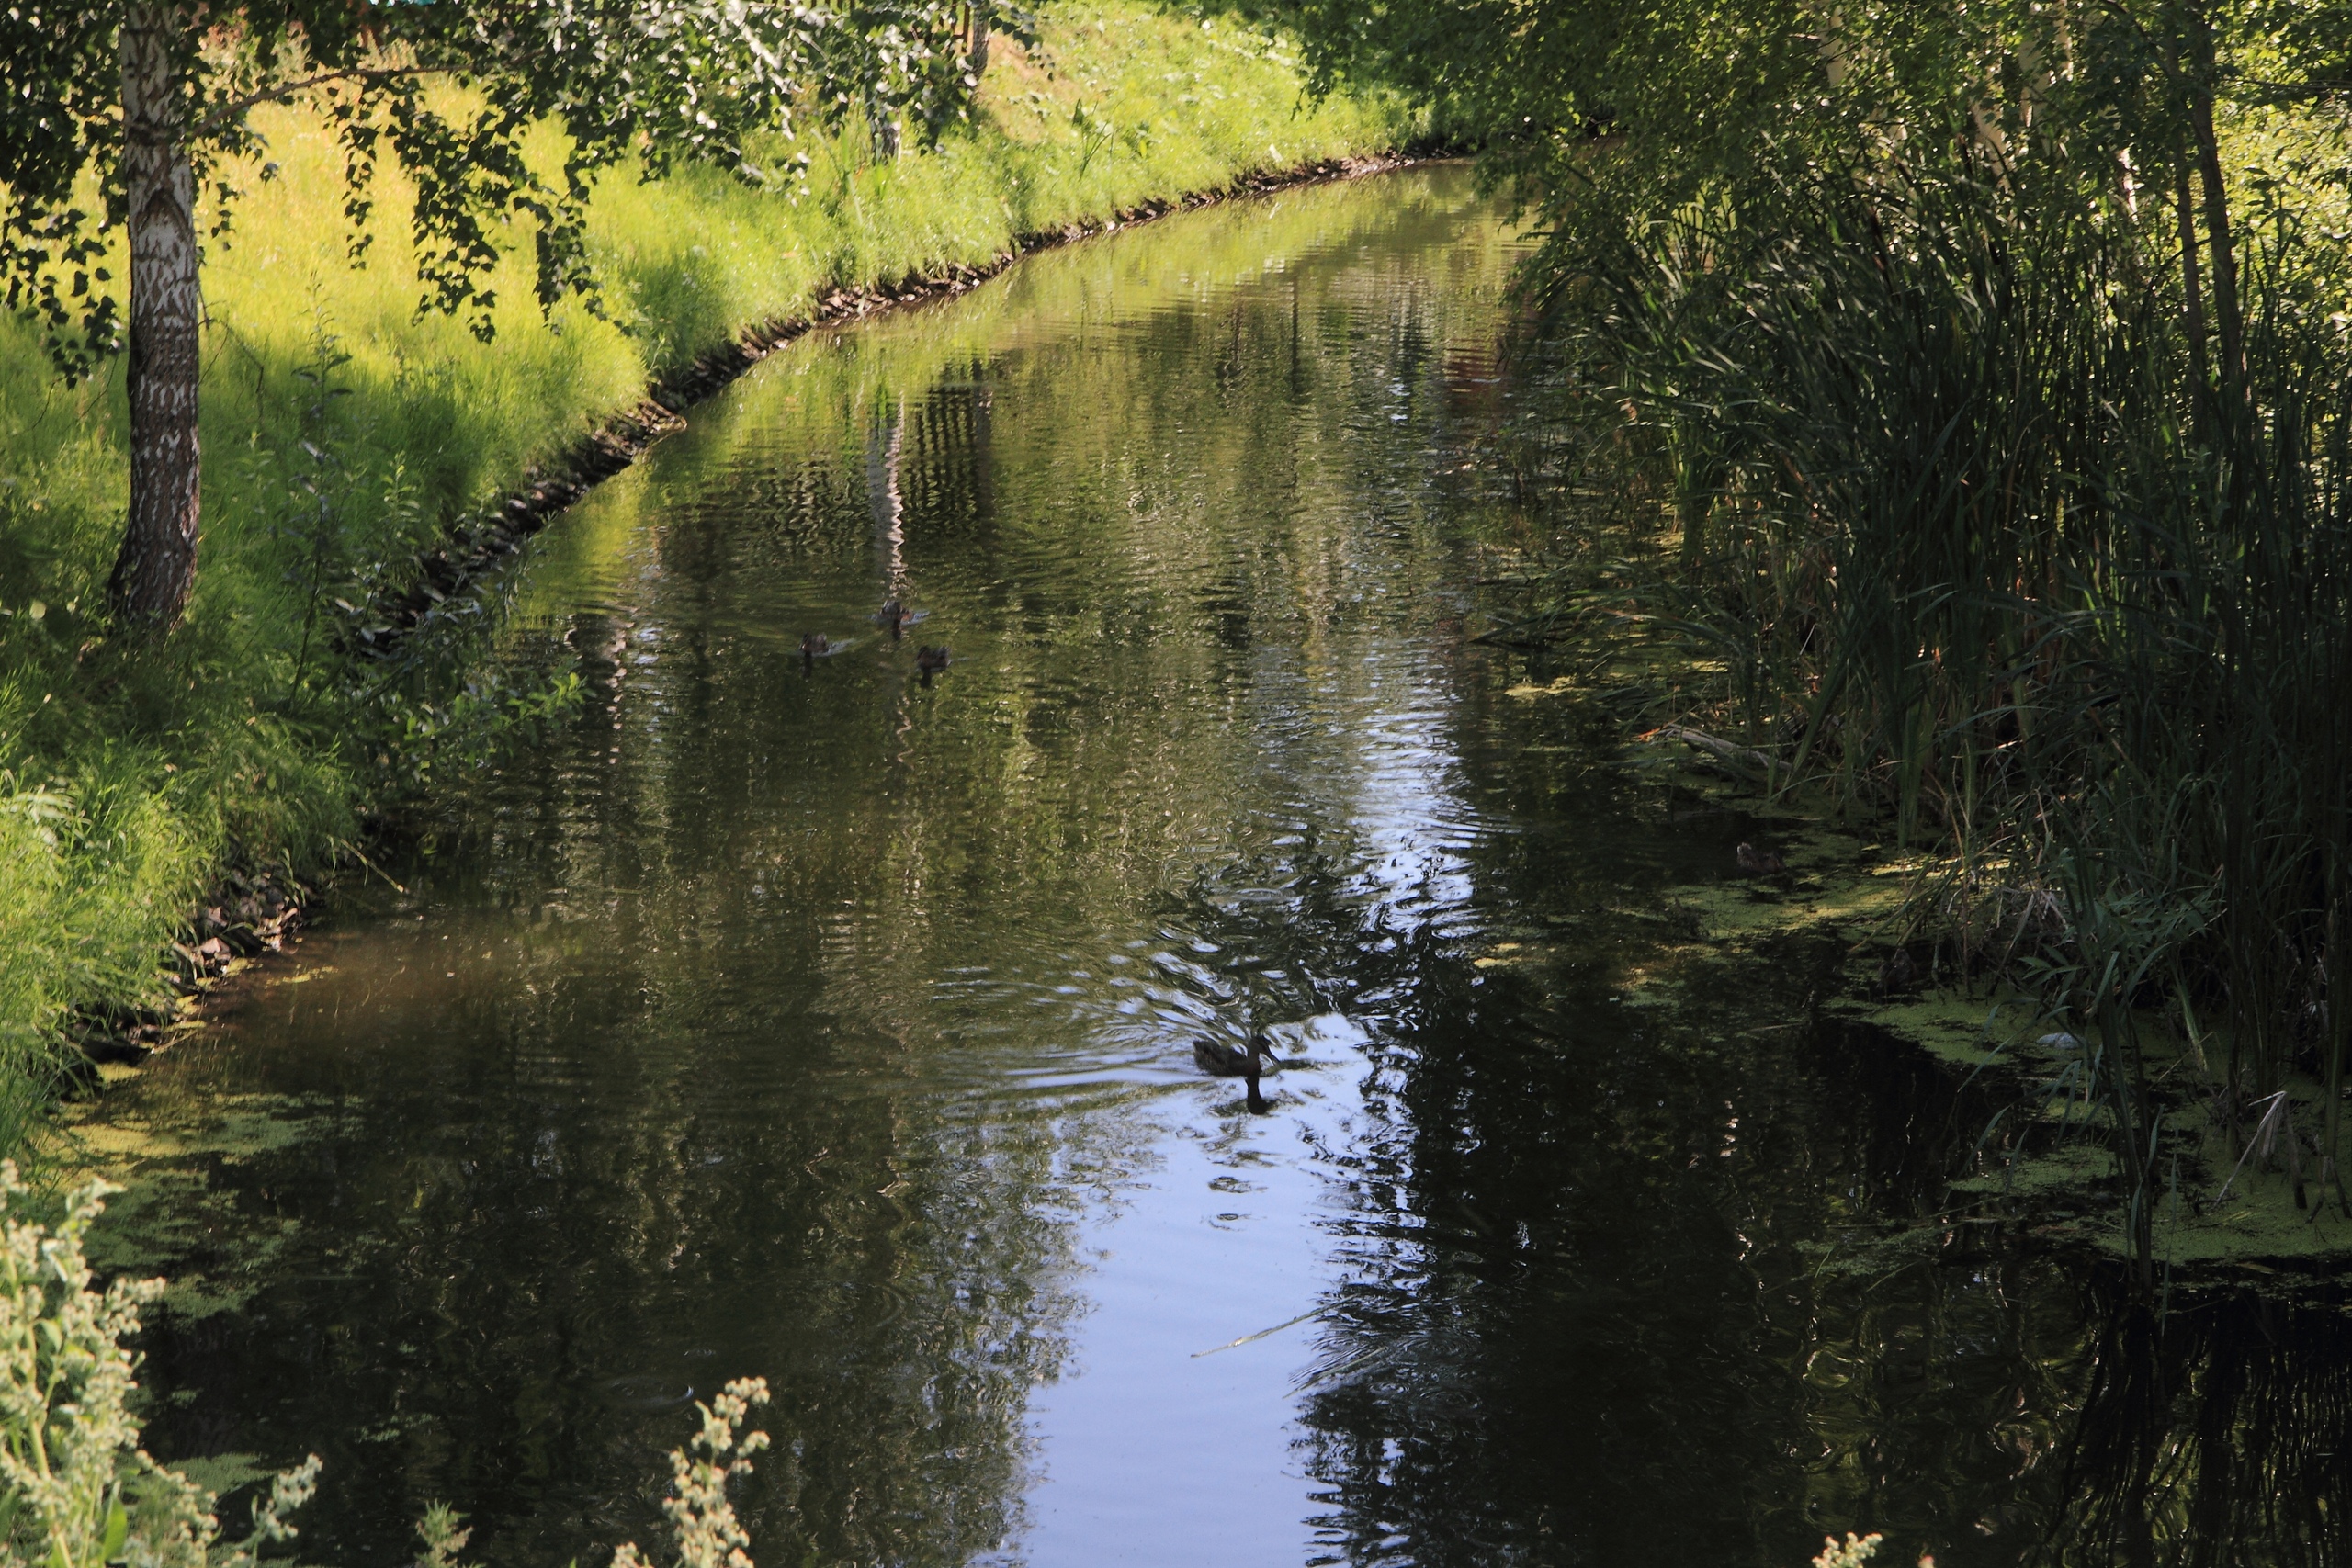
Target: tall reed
1997,542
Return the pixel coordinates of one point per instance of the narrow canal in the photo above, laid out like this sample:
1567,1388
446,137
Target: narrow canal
806,1019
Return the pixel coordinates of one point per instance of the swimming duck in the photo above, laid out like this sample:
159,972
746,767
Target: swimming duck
898,617
811,646
1219,1058
1758,862
930,661
1222,1059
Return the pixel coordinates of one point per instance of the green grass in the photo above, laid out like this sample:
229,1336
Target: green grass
131,777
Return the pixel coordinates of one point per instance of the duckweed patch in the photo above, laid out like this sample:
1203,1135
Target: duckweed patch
181,1213
2047,1164
1967,1030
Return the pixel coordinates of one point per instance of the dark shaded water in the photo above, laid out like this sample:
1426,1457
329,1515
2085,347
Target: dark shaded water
819,1023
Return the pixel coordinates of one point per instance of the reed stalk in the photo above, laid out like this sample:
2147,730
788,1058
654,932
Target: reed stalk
1999,544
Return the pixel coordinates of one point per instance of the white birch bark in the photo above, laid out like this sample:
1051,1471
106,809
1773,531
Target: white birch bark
156,566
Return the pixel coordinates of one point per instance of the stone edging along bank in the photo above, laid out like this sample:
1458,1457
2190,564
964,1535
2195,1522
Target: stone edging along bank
250,914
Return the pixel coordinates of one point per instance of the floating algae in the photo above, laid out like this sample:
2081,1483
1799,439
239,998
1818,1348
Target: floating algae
2046,1162
2216,1203
177,1216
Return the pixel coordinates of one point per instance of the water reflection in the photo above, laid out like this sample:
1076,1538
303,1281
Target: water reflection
2212,1434
794,1017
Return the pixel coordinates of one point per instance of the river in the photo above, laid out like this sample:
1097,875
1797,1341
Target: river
808,1019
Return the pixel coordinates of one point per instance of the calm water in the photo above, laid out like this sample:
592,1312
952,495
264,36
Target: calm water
821,1024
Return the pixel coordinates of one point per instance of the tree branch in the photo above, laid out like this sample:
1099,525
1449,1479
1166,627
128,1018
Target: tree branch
367,75
2164,56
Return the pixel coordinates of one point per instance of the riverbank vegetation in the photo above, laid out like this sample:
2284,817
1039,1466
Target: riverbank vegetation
345,431
83,1493
1987,378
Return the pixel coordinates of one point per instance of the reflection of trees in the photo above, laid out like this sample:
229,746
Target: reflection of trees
1089,551
700,1098
884,447
1633,1285
1544,1340
622,1216
2214,1434
1681,1287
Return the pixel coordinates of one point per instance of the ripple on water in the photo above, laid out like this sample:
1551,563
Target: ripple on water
646,1391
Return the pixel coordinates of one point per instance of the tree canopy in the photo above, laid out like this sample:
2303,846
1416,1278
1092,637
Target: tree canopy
655,79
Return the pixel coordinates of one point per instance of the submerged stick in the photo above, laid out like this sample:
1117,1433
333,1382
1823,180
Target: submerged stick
1263,1333
1722,751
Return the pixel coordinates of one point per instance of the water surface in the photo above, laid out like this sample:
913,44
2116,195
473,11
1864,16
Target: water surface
802,1019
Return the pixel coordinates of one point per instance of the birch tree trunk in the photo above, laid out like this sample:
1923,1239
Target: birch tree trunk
156,565
2192,291
976,40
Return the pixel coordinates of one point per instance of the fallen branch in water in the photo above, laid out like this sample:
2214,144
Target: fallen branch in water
1722,751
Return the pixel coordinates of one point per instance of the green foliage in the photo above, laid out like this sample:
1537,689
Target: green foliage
1851,1553
710,1535
76,1490
442,1536
644,81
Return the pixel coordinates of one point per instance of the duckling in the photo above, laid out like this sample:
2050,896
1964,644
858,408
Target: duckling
812,645
930,661
1758,862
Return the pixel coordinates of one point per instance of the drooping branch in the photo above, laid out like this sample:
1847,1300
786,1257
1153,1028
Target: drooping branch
225,114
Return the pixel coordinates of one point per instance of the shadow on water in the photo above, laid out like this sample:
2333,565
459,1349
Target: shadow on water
2214,1434
1645,1289
799,1016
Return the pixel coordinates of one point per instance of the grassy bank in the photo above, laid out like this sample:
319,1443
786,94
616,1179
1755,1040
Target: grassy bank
342,430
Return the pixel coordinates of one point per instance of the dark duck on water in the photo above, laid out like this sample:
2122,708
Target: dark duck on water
930,661
1221,1059
898,617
